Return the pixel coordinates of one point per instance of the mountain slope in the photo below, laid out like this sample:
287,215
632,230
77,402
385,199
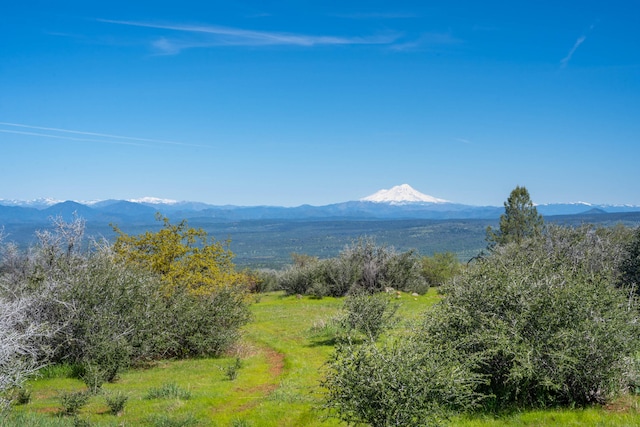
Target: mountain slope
399,202
401,194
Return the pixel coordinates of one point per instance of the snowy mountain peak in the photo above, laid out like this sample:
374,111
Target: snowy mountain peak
401,194
154,201
40,203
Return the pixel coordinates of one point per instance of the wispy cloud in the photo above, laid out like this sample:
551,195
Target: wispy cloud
565,61
378,15
462,140
211,35
69,138
107,138
427,41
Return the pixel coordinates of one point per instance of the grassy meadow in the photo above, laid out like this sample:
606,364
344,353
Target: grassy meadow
271,378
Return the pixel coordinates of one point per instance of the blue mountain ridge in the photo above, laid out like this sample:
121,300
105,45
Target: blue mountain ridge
121,210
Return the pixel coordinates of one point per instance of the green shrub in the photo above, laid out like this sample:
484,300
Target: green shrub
262,281
115,402
328,331
543,319
538,323
361,266
630,265
368,315
21,396
341,274
72,402
202,325
440,268
300,278
232,370
108,315
400,384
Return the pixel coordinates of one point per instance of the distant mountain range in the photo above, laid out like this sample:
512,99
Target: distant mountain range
400,202
265,236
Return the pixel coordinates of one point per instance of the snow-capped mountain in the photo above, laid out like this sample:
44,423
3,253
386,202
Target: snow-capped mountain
153,201
40,203
401,201
401,194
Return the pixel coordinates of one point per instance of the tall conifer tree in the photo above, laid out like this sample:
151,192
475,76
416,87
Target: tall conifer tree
519,221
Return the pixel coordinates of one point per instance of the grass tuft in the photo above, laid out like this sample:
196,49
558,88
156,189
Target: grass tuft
168,391
167,421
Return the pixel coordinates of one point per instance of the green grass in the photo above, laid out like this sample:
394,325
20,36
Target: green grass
277,382
622,416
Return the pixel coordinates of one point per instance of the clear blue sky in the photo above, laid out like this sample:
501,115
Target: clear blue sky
294,102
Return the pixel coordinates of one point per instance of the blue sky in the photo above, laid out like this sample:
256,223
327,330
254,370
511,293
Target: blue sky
294,102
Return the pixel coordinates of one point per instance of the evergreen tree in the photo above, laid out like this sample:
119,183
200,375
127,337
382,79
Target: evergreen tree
520,220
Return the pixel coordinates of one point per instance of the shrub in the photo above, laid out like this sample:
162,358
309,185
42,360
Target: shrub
72,402
368,315
202,325
19,346
532,324
21,396
630,265
300,278
341,275
262,281
232,370
543,319
361,266
403,272
440,268
115,402
108,314
371,261
400,384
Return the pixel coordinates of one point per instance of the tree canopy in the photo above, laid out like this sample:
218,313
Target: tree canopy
186,258
519,221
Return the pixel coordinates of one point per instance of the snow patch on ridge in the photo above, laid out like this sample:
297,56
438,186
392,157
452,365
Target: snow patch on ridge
154,201
401,194
43,202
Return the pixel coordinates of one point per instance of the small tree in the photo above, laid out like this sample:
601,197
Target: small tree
519,221
205,304
184,257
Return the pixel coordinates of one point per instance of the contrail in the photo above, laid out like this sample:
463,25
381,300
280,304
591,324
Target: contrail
104,135
575,47
70,138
